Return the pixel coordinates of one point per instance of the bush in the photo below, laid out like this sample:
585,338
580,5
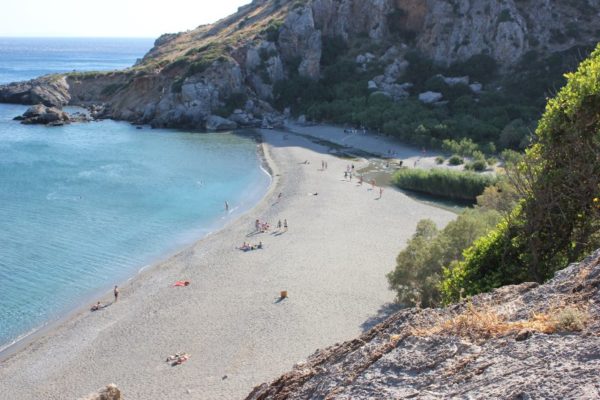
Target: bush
557,221
443,182
477,165
455,160
439,160
416,277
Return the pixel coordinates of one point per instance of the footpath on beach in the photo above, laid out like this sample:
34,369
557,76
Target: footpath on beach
230,317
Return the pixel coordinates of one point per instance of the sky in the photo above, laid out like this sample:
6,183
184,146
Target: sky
109,18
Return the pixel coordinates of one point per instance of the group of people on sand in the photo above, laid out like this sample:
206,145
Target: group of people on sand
248,247
261,227
99,306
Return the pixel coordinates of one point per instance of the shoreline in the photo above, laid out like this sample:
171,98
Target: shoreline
228,318
27,338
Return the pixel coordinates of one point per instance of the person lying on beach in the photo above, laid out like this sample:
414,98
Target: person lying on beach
247,247
182,283
178,358
181,359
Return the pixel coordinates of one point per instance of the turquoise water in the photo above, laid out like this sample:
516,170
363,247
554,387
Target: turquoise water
85,206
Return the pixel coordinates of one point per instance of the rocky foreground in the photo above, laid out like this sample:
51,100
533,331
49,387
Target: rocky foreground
518,342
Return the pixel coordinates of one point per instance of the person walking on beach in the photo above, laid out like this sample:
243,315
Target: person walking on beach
226,206
285,225
380,192
116,293
279,225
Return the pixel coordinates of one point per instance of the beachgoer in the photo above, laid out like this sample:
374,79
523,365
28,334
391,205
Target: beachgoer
373,184
226,206
116,293
360,180
285,224
279,196
279,224
259,245
96,306
380,192
257,225
345,174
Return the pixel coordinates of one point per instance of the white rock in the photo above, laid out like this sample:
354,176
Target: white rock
372,85
430,97
476,87
455,80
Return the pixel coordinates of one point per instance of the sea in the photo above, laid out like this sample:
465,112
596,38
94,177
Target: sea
87,206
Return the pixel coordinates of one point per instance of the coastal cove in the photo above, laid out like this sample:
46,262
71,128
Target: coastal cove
86,206
228,318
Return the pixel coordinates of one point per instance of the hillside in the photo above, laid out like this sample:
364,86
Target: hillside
331,59
518,342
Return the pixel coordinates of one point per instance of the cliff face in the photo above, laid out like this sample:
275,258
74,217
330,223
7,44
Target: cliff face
518,342
186,77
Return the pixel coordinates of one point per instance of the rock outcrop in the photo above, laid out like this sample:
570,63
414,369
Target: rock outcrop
51,91
110,392
188,76
40,114
517,342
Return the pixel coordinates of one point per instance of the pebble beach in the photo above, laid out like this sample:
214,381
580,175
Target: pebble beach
332,260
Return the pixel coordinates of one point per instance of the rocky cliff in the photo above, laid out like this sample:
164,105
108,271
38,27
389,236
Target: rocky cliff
235,63
518,342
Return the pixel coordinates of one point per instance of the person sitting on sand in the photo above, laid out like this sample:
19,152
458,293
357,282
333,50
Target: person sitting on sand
96,306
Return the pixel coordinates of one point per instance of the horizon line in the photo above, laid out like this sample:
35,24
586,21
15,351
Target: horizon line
75,37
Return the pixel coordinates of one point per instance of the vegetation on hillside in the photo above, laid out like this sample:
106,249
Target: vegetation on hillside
548,209
558,220
503,116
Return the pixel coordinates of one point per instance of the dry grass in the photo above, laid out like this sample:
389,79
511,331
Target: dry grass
477,323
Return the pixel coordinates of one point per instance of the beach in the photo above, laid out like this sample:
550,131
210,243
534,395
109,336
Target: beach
342,240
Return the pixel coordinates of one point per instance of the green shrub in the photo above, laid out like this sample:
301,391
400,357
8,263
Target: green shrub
419,266
439,160
477,165
443,182
557,221
455,160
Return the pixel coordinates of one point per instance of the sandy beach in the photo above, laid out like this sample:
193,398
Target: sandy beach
332,261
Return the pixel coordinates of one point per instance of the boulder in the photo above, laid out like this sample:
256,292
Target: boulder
476,87
110,392
396,91
455,80
216,123
430,97
43,115
372,85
